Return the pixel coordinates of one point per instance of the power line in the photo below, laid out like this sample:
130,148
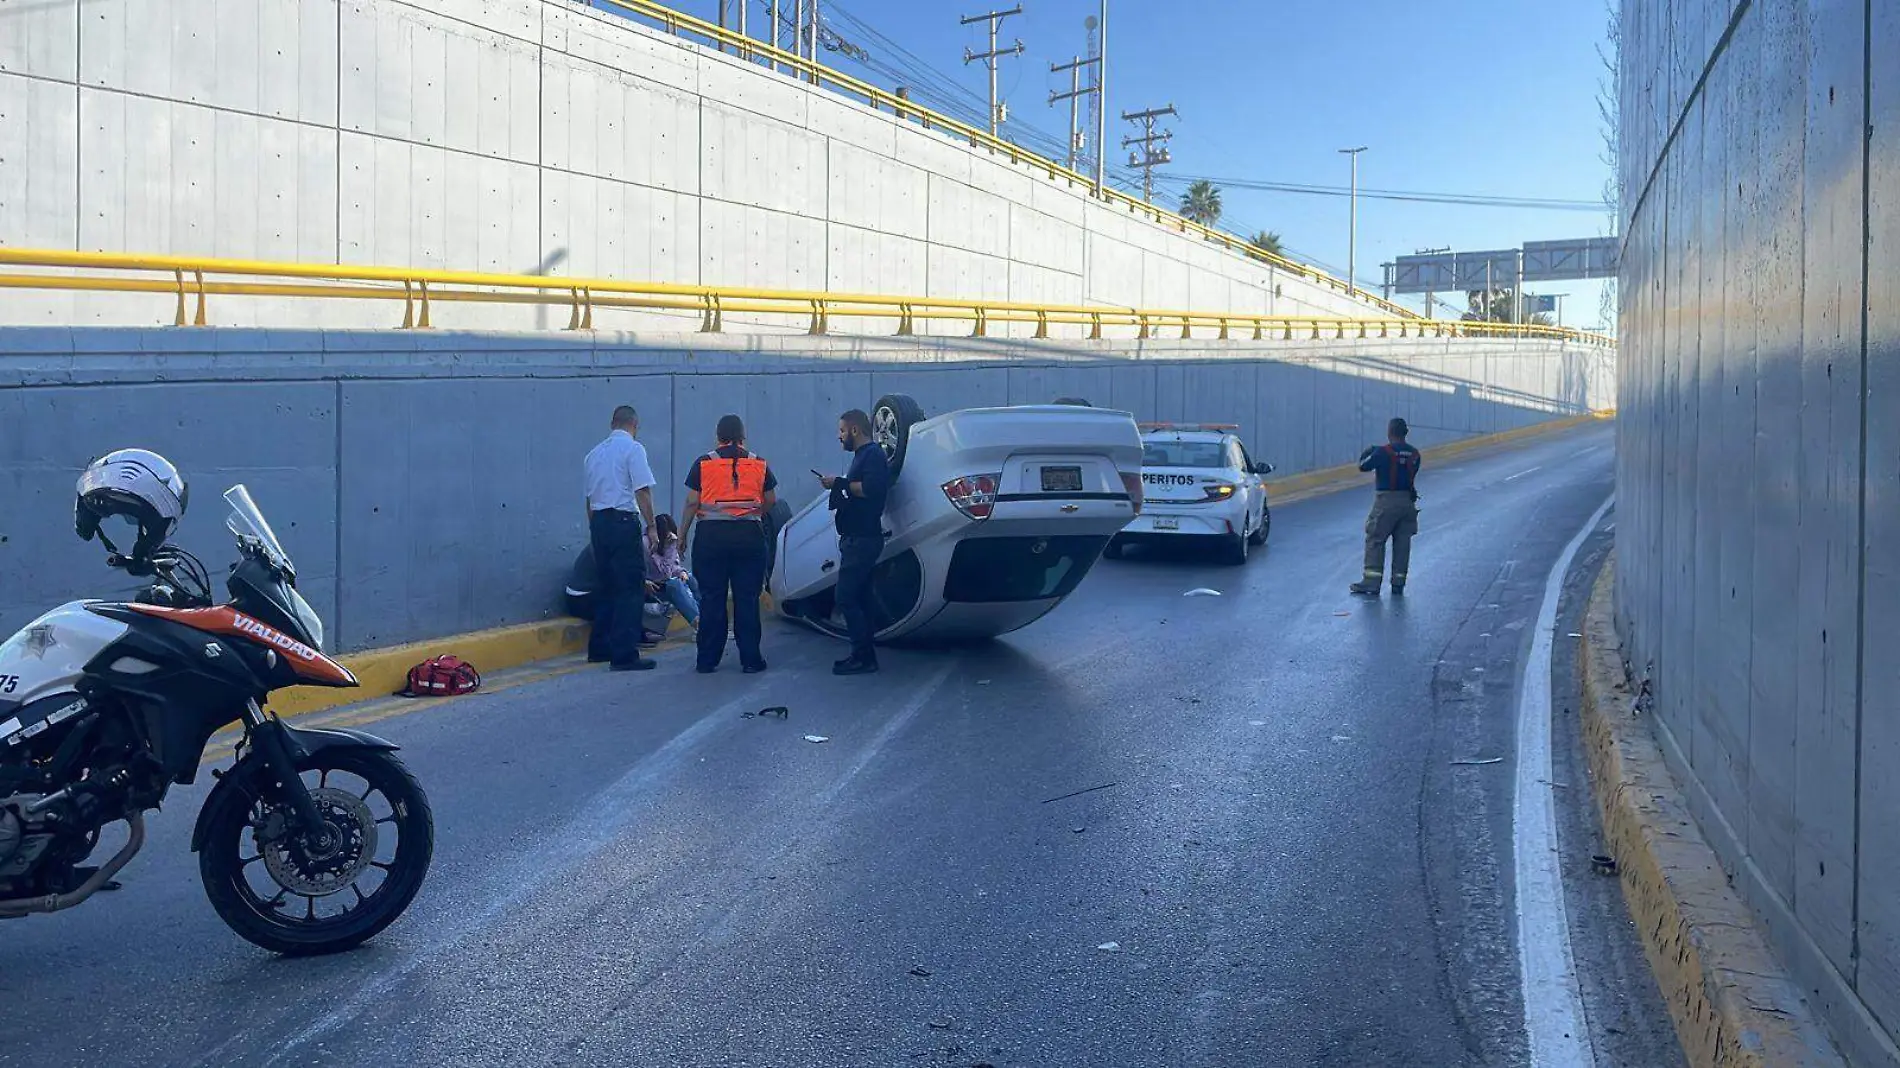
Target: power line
1476,200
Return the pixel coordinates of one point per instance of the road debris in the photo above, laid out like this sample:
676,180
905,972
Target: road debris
1078,830
1079,793
1201,591
779,711
920,972
1475,763
1256,723
1110,947
944,1023
816,738
1603,865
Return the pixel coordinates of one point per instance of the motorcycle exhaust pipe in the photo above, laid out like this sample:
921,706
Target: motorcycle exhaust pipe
26,906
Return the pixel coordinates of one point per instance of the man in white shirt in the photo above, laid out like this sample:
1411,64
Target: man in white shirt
619,509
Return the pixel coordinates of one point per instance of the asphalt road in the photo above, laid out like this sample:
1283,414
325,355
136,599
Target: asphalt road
1283,864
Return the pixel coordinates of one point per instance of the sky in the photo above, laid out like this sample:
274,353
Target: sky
1489,97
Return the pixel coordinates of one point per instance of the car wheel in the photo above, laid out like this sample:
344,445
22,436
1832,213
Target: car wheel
1260,534
891,421
1236,549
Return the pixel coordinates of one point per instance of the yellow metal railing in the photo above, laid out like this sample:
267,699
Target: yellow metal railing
678,22
192,281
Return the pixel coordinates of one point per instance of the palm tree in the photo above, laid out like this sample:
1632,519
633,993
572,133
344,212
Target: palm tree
1268,241
1201,204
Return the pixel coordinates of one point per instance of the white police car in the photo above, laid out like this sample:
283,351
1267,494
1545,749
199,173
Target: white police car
1198,483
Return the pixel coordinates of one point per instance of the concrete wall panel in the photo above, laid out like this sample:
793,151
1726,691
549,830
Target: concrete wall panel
42,38
39,196
760,162
742,245
1754,489
875,192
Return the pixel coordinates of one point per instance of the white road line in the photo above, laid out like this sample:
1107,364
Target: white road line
1521,474
1553,1005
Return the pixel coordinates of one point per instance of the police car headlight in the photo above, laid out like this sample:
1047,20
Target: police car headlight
1219,492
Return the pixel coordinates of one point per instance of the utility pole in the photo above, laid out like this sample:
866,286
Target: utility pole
1101,101
778,34
1149,157
1074,67
1352,231
995,19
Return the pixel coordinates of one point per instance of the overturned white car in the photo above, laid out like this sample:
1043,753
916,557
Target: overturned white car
995,515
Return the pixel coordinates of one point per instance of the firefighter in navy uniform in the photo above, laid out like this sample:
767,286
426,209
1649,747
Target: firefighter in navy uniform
1394,509
730,491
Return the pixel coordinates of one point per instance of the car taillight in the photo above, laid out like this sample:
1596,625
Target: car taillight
1132,483
1218,492
974,495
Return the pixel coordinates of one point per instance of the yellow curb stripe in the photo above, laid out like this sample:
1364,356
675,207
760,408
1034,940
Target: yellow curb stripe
1733,1004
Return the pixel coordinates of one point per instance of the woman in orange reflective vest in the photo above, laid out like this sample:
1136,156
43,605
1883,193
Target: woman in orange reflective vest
730,490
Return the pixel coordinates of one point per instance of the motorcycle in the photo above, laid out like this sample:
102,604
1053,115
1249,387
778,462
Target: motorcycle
313,841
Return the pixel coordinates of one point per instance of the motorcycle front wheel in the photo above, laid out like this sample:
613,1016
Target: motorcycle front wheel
300,894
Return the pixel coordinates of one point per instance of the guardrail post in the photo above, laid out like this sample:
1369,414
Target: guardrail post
179,319
574,309
818,323
1316,330
1259,328
1223,328
982,322
199,318
1143,320
423,323
1042,322
906,321
1289,331
1185,332
1095,326
408,305
1362,328
1385,328
712,319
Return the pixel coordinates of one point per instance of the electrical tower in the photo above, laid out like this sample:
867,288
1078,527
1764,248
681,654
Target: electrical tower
994,18
1076,91
1149,157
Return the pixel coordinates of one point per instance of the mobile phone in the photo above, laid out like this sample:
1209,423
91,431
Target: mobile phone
817,472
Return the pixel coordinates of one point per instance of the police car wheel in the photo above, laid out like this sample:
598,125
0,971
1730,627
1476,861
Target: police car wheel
1236,548
891,420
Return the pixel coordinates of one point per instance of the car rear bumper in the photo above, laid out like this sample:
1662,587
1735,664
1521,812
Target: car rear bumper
1161,521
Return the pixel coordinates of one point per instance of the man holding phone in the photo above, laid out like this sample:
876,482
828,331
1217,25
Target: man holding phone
858,499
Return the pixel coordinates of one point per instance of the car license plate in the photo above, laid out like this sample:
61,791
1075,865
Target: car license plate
1062,480
1167,522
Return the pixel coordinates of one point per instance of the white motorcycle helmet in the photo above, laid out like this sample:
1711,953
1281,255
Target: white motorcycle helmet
138,484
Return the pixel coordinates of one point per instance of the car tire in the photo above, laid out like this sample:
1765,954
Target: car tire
891,420
1236,549
1259,536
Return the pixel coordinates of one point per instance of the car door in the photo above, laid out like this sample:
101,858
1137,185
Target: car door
1254,487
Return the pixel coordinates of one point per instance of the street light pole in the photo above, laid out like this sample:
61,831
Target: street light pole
1101,101
1352,231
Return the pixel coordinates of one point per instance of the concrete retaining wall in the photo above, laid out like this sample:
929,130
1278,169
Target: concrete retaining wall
1758,500
529,136
429,484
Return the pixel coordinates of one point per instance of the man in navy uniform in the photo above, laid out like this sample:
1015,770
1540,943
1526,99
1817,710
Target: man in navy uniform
1394,466
858,500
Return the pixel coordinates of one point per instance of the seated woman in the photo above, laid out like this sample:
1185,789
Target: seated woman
667,578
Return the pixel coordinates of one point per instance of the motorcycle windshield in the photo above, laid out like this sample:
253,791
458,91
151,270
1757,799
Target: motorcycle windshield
247,522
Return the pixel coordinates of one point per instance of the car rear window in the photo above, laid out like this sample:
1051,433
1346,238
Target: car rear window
991,570
1183,454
